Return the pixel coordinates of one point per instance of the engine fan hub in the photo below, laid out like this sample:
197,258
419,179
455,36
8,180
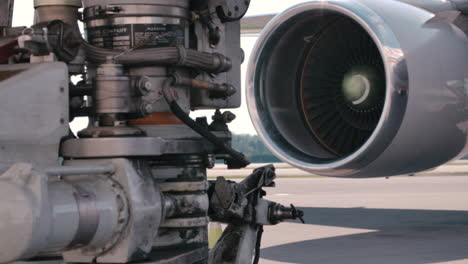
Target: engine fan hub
361,88
356,88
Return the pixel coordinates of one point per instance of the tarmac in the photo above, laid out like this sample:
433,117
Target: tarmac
399,220
459,167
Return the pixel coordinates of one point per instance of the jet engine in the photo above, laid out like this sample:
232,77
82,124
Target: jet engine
362,88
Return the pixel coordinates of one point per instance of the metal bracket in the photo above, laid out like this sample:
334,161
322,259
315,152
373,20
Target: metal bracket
242,207
6,12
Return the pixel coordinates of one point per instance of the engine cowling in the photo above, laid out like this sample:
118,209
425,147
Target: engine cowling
361,88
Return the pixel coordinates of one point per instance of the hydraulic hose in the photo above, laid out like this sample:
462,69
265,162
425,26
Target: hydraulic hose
240,160
176,56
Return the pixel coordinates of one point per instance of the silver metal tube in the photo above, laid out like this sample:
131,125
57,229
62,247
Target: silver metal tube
70,171
77,209
185,205
46,215
65,215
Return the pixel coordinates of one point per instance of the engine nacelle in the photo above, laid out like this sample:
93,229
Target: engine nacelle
364,88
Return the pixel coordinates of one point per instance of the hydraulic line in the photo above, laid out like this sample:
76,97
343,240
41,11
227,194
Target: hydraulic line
177,56
241,160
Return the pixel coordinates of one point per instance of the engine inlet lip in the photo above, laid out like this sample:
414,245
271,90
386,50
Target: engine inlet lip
396,89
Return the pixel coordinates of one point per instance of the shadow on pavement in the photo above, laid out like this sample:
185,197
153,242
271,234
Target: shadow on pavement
401,236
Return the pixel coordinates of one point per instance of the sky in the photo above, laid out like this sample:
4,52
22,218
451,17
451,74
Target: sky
23,16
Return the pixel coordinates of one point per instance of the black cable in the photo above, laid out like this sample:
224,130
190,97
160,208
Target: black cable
241,160
258,245
175,108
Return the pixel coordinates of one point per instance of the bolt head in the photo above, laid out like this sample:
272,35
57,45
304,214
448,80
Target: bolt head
148,108
148,85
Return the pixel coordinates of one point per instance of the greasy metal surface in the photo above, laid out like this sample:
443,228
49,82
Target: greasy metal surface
201,186
426,100
182,179
185,222
127,147
183,205
235,245
176,132
169,239
119,131
179,257
187,168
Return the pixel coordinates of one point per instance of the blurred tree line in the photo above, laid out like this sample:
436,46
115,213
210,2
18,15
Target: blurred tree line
253,148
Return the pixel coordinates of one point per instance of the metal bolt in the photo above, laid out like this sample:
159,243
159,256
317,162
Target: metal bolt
145,85
229,116
279,213
148,85
148,109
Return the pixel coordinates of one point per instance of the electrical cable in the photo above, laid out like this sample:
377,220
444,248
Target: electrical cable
258,245
241,160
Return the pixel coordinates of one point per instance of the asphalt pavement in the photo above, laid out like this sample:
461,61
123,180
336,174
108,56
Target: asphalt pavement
459,167
371,221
